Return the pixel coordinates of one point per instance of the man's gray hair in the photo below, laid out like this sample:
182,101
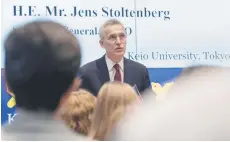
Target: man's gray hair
108,23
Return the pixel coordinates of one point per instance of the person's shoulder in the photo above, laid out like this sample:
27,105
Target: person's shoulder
66,135
5,136
91,66
136,64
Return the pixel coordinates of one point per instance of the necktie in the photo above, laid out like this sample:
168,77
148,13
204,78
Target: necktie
117,76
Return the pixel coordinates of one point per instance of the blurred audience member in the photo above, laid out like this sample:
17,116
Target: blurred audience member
77,110
112,102
197,108
41,62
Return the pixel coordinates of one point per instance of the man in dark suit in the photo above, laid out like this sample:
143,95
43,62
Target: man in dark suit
113,66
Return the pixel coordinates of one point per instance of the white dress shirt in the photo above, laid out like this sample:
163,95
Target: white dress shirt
112,70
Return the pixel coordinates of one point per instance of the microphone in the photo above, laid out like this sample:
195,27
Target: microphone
137,91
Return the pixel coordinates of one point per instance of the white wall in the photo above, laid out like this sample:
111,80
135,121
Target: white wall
194,27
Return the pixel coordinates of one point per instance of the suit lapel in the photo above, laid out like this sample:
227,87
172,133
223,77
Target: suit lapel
103,70
127,69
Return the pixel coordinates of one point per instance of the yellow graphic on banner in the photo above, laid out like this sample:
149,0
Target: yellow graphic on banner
11,103
161,90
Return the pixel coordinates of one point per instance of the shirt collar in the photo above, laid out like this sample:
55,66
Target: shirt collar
110,63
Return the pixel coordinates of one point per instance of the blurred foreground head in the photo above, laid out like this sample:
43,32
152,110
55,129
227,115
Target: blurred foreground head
112,102
41,61
197,108
77,110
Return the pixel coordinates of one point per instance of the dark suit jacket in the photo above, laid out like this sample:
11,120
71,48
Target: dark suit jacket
95,74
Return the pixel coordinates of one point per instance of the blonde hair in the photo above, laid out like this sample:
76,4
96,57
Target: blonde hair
112,100
108,23
77,110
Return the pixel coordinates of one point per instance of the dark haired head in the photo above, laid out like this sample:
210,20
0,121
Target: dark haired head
41,61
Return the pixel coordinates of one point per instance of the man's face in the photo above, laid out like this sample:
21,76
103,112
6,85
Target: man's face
114,40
